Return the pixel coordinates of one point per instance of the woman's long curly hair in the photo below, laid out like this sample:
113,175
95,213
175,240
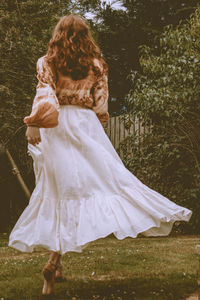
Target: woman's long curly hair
72,49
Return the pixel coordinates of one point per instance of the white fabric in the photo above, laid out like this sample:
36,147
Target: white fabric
84,192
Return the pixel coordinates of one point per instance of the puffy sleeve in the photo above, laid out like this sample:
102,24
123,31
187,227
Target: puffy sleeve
45,108
100,95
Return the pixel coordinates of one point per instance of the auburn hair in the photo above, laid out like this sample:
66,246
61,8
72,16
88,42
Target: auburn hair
72,49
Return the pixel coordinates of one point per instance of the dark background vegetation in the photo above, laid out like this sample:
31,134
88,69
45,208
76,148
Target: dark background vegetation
158,82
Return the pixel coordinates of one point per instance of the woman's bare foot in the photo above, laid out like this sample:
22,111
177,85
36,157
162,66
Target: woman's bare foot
48,287
58,275
49,271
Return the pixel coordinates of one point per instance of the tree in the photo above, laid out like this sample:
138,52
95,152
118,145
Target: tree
22,25
121,32
167,96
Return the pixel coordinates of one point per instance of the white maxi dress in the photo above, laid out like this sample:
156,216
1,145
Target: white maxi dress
84,192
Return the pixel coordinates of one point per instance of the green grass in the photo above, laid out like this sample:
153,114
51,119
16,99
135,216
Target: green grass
142,268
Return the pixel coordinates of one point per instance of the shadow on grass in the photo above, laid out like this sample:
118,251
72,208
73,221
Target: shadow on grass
167,288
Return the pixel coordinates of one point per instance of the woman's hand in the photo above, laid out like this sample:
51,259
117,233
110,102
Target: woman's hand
33,135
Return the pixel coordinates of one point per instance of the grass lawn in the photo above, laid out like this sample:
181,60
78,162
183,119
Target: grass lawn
130,269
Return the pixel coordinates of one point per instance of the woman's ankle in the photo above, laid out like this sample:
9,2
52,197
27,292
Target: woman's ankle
55,257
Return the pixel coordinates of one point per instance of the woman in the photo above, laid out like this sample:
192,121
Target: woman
83,191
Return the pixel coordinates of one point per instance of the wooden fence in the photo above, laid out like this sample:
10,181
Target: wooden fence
121,127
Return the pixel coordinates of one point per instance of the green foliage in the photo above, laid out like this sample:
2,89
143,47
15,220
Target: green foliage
123,31
25,29
166,95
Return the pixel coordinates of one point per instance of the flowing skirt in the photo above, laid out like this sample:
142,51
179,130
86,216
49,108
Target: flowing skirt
84,192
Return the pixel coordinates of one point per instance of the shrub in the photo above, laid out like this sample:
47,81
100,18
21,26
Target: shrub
167,96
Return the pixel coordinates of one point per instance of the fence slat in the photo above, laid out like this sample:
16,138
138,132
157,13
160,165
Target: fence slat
118,132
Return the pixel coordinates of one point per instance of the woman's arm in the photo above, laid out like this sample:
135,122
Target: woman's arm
45,104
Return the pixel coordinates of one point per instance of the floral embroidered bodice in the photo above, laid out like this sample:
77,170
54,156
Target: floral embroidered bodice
54,90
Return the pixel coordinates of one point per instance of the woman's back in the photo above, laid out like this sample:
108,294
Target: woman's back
81,91
55,88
